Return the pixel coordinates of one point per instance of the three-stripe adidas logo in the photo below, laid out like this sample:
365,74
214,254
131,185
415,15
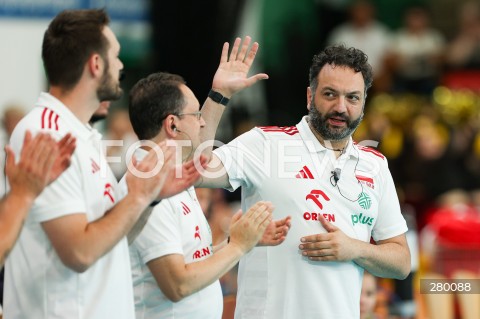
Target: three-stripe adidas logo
49,119
289,130
186,209
305,173
95,167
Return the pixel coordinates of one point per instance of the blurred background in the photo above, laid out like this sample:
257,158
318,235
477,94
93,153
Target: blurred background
423,109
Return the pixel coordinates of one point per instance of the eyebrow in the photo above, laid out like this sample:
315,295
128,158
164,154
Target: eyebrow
335,90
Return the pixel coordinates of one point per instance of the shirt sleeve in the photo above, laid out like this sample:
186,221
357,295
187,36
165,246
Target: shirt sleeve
161,235
243,158
390,221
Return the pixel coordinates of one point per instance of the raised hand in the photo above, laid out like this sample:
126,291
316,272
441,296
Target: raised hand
231,75
276,232
331,246
247,229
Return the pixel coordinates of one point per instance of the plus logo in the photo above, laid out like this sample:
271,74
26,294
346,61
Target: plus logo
109,192
315,195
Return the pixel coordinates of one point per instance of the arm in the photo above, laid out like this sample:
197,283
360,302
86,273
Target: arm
178,280
389,258
79,243
230,78
41,161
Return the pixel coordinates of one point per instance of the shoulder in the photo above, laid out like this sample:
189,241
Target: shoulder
272,132
370,153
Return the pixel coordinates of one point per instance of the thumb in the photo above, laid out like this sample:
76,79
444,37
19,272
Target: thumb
329,227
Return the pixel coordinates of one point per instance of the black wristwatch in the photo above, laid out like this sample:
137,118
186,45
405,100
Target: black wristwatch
218,97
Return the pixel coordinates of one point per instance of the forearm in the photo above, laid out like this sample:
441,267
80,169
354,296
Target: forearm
80,243
389,260
14,208
195,276
212,114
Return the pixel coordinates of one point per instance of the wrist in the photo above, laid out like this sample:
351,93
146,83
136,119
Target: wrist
218,96
23,195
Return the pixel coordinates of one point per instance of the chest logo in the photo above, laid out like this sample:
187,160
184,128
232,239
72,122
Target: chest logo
186,209
109,192
315,197
304,173
364,200
95,167
197,233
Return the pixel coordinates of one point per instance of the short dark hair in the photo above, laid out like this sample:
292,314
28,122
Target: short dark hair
152,99
340,55
71,38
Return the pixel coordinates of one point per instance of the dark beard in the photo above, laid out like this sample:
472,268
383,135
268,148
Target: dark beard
320,124
95,118
109,91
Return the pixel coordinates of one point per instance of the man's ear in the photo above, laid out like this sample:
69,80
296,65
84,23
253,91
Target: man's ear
309,97
95,65
170,126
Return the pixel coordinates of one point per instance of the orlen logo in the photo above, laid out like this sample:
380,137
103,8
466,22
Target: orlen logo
360,219
315,195
201,253
109,192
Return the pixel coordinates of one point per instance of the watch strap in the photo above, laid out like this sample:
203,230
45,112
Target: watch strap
218,97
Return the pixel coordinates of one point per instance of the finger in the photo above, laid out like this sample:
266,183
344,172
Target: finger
224,56
315,238
28,140
10,161
244,49
255,210
262,215
255,78
67,145
326,224
251,54
48,156
233,54
319,253
39,144
315,246
236,217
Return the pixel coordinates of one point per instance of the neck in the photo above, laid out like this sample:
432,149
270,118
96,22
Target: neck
80,104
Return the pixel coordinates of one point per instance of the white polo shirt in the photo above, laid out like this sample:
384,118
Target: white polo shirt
290,168
177,225
37,284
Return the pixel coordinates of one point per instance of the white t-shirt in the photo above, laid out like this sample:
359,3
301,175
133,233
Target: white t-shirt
37,283
177,225
290,168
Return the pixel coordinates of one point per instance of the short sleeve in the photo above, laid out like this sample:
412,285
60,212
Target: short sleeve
161,235
243,157
390,221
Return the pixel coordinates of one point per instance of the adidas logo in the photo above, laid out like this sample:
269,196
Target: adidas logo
95,167
304,173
